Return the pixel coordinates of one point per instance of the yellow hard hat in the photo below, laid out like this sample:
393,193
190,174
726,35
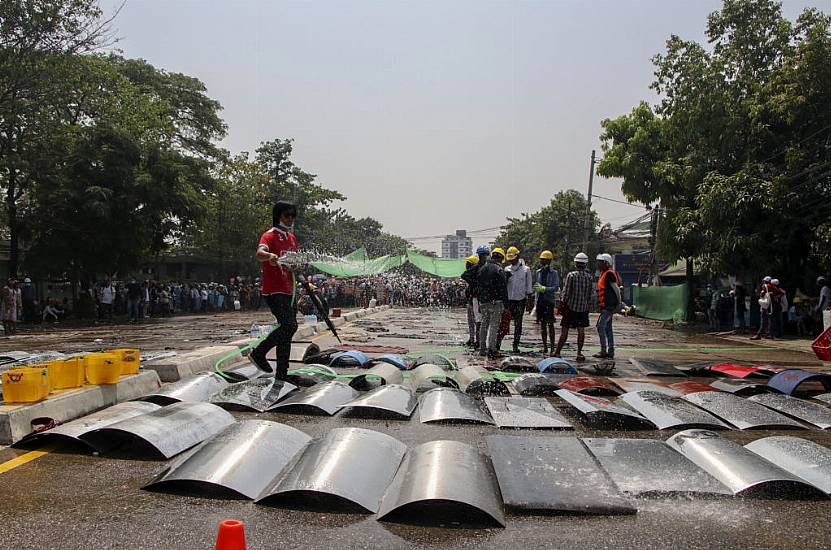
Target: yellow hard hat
472,260
546,255
499,251
513,253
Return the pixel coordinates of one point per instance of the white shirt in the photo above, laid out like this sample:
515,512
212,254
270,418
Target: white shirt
519,283
107,294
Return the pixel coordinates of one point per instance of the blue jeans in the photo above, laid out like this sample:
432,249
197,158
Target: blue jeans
132,310
604,330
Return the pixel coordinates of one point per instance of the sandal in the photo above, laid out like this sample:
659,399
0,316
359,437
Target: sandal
580,357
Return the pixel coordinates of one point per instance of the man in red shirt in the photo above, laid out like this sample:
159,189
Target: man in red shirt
278,288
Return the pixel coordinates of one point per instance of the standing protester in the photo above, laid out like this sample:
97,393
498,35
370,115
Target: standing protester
474,318
493,293
27,294
824,305
498,256
779,304
574,305
133,301
520,291
767,292
740,295
9,309
608,300
279,288
107,299
546,285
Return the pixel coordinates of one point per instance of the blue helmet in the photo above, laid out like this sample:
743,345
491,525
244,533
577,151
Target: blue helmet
483,249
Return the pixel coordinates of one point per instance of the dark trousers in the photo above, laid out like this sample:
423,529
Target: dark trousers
517,309
284,311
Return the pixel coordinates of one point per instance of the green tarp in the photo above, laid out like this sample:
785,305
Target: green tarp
663,303
358,268
440,267
359,255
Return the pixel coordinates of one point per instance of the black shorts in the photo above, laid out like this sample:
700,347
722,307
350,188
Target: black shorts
574,319
545,312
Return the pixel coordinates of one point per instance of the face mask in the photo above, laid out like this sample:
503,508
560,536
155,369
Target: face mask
287,227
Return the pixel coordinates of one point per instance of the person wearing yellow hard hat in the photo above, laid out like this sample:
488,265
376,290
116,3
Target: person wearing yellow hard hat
474,317
492,287
520,291
546,285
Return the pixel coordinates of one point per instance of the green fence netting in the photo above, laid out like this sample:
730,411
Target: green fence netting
663,303
357,268
440,267
359,255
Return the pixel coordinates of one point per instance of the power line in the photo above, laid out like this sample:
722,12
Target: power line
617,201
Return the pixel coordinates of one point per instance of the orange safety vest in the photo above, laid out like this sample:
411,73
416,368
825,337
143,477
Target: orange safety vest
601,287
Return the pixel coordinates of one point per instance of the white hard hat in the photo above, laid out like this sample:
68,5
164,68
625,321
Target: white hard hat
604,258
27,280
767,279
774,282
581,258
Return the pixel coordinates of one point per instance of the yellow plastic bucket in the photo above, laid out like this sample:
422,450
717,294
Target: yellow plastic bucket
66,373
129,360
25,385
102,368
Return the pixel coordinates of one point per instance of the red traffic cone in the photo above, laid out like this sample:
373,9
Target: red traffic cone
231,535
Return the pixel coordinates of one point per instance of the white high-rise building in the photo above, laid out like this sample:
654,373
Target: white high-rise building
457,246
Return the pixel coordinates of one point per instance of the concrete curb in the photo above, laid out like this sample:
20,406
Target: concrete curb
176,368
16,420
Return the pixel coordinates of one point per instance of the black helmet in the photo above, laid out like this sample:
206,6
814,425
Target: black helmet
279,208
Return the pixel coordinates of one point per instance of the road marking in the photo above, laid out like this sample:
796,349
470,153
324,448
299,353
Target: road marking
25,458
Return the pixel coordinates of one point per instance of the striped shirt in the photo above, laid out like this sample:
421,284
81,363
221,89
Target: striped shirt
577,291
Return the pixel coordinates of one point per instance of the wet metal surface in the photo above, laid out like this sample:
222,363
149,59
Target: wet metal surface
787,381
813,413
651,467
555,365
476,381
656,367
553,474
740,387
804,459
739,469
240,461
517,364
300,352
449,404
601,409
195,388
75,429
539,384
383,372
441,361
590,385
740,412
670,412
824,397
440,472
395,398
734,371
526,412
326,397
352,464
259,394
168,430
306,376
428,376
690,386
629,385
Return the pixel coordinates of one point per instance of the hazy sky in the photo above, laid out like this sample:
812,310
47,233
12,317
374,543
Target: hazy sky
428,115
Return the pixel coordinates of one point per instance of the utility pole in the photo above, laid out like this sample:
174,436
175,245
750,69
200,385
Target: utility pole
586,228
653,243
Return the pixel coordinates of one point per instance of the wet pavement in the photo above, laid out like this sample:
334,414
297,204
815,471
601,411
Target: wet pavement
69,500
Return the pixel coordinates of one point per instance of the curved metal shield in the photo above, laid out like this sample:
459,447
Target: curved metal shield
824,397
444,363
393,359
259,394
475,380
449,404
740,387
351,358
239,462
526,412
438,473
429,376
199,387
166,431
656,367
629,385
740,412
812,413
72,431
651,467
690,387
553,473
556,365
668,412
805,459
326,397
599,409
517,364
589,385
739,469
734,371
245,371
788,380
310,375
382,373
351,464
300,351
540,384
394,398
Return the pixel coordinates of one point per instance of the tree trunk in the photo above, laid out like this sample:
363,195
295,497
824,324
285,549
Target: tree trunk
14,246
690,291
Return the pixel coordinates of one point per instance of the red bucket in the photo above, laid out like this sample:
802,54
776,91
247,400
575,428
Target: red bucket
335,312
822,345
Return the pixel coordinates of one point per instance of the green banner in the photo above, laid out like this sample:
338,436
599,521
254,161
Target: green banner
440,267
663,303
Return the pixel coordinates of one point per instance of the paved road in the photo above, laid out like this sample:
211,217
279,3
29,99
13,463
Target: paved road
69,500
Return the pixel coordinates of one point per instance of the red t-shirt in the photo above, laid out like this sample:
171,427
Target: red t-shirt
277,279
